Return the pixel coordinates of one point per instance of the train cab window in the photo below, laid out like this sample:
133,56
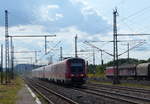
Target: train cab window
76,67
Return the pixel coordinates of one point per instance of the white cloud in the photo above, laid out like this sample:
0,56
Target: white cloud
87,11
58,15
66,18
26,29
48,14
52,6
84,2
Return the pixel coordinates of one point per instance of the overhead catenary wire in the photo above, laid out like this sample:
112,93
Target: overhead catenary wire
135,14
141,43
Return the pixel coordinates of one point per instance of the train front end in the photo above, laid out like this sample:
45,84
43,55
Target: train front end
77,71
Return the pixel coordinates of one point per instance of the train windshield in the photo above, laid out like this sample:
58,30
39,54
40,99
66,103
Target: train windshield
76,67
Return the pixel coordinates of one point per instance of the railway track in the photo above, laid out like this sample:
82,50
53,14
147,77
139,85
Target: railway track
119,93
115,96
141,94
100,100
140,90
95,91
50,96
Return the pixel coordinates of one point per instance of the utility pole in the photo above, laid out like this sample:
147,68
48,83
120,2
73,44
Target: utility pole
116,77
12,62
6,47
36,56
51,59
93,57
76,55
61,56
45,44
128,51
102,58
12,59
1,64
94,61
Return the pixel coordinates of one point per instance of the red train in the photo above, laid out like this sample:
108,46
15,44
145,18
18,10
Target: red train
140,71
69,71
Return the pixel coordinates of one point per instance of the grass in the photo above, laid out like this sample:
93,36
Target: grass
97,75
8,93
122,84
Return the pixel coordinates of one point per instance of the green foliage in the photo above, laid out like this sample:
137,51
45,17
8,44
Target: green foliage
128,61
92,69
124,61
148,60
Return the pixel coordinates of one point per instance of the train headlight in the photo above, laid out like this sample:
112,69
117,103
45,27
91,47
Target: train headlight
72,75
81,75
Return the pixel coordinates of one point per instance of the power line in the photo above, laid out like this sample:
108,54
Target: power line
86,42
134,14
141,43
128,26
130,34
35,52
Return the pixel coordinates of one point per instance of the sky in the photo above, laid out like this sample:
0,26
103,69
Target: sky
90,20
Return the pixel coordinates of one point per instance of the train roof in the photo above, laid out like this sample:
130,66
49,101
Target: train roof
144,64
109,67
68,59
63,61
